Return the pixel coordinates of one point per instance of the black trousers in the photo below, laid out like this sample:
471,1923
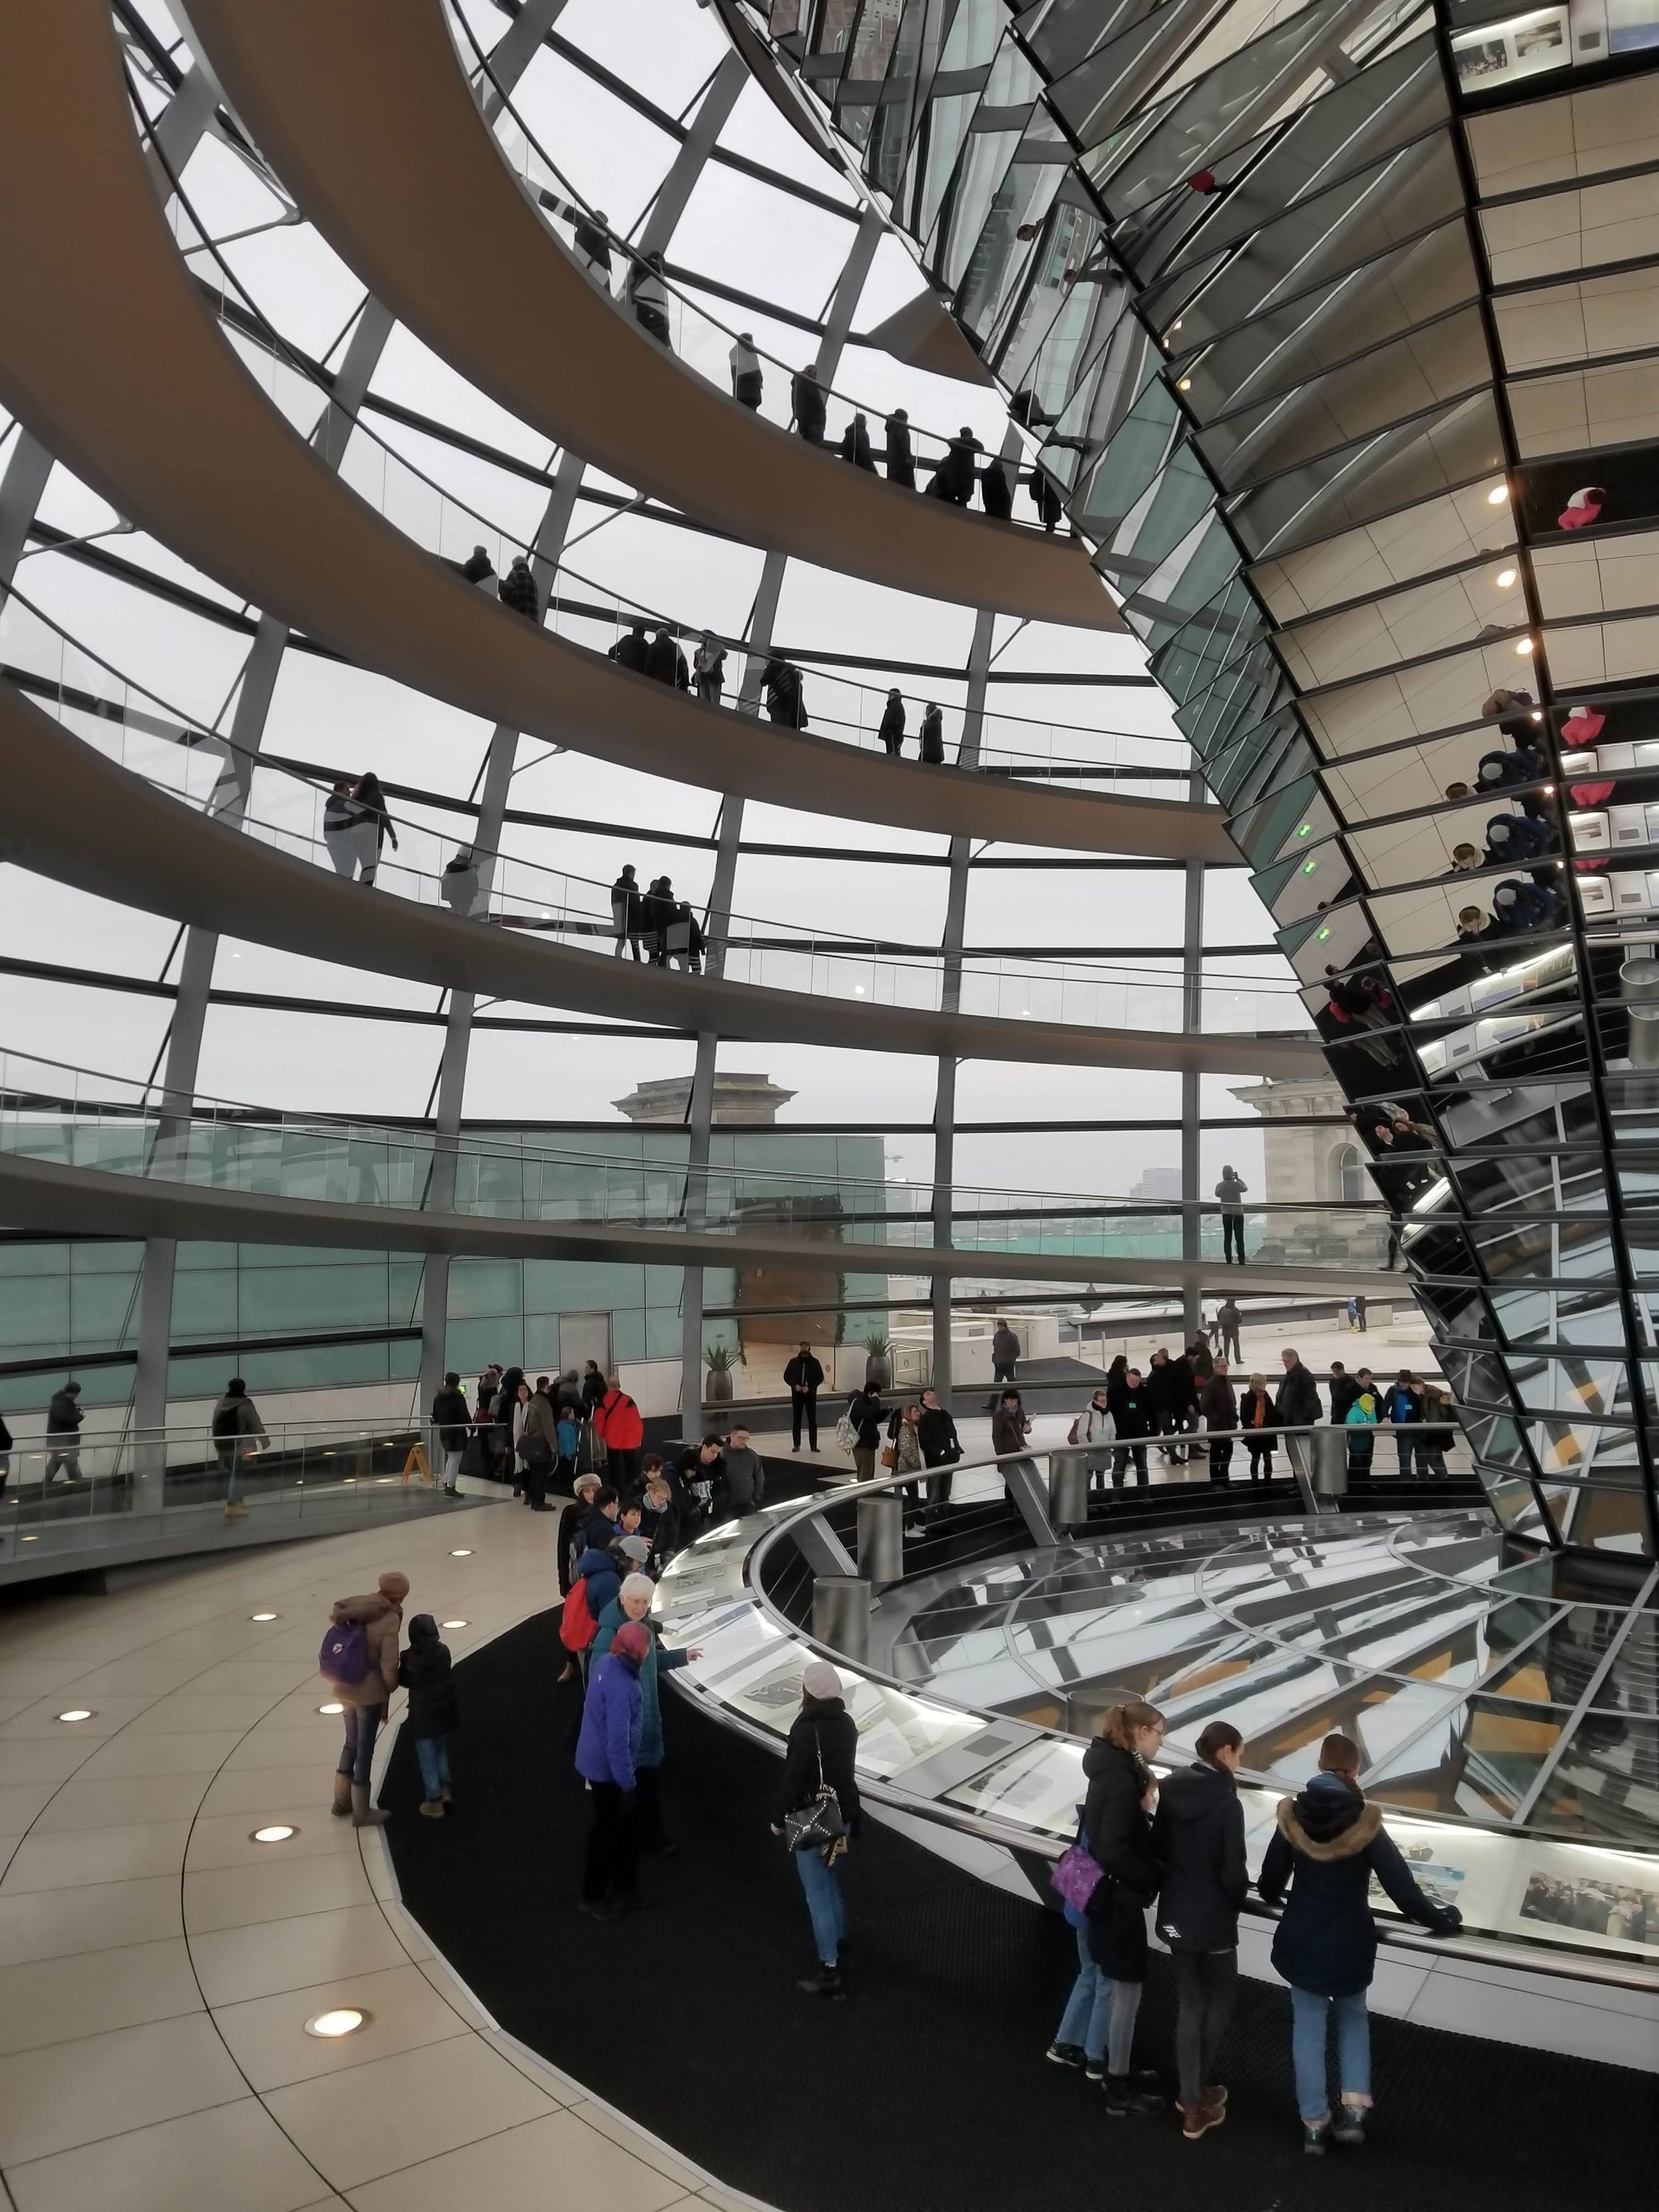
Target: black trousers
1261,1460
1230,1342
622,1469
613,1847
939,1485
1207,1983
1232,1232
1221,1457
804,1402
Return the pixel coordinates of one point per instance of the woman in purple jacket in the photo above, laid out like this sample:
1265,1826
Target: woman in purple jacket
607,1759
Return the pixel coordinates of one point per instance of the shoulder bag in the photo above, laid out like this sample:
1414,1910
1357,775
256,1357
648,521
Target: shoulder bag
818,1824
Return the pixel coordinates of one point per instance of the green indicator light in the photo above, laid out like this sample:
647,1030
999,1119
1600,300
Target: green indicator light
1305,830
1308,867
1320,936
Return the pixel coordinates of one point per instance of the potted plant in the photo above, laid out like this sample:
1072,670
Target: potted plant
717,1390
879,1362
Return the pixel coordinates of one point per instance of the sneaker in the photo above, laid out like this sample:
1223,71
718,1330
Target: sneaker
1126,2099
1094,2070
1214,2095
432,1809
1065,2054
1349,2127
1313,2138
826,1982
1198,2119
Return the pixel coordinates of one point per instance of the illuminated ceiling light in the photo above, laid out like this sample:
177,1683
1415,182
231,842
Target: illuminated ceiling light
858,990
460,1555
76,1713
1524,646
262,1616
28,1539
279,1833
1185,384
1538,717
1505,578
345,2019
454,1624
334,1706
1176,325
1496,497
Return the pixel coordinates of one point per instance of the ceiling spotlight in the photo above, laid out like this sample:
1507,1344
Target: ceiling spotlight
1184,383
76,1713
334,1706
1505,578
1524,646
454,1624
278,1834
345,2019
1176,325
461,1555
1496,498
1538,717
858,990
262,1616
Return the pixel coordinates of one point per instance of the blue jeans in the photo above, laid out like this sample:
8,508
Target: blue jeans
1095,2001
433,1752
1308,2014
823,1886
362,1725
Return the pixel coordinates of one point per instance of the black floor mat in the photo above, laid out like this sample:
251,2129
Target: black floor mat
925,2090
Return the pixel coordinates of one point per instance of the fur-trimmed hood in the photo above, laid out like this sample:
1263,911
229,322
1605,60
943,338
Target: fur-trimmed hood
1326,1828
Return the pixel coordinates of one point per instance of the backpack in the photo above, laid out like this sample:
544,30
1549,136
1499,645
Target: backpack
1072,1436
846,1434
577,1626
344,1655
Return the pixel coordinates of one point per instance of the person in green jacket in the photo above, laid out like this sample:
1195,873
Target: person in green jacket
633,1602
1361,1424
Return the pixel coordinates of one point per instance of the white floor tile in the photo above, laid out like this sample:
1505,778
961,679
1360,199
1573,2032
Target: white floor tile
615,2129
39,1720
102,2085
125,1853
258,1790
234,2155
56,1923
162,1754
235,1964
397,2112
550,2165
113,1800
57,1999
225,1839
44,1758
232,1897
268,2039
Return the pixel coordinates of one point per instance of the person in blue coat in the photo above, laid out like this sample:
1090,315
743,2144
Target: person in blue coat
607,1759
633,1602
1327,1846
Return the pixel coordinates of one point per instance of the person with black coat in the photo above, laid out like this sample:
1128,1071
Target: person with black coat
1326,1847
811,409
1133,1419
804,1375
424,1671
785,696
592,243
632,649
591,1389
864,1411
450,1417
665,661
941,1447
517,590
901,461
1165,1397
1198,1837
1298,1407
1117,1833
1345,1388
891,731
996,491
932,738
822,1754
957,474
5,1453
656,913
855,444
63,1419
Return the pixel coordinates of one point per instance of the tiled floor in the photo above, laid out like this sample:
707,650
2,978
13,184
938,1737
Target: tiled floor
157,1967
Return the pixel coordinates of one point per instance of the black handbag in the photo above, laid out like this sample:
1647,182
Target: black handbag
819,1823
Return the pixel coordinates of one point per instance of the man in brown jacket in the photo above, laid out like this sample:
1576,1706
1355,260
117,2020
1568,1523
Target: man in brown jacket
380,1616
1219,1407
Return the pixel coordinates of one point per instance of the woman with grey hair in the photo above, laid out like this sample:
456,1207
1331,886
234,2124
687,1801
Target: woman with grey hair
633,1602
819,1761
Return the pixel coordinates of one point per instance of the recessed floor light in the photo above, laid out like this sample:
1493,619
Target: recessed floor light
276,1834
1524,648
453,1624
1497,498
28,1539
463,1554
334,1706
76,1713
1505,578
262,1616
343,2020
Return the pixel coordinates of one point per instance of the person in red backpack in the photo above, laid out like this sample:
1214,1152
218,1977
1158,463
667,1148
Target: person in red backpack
617,1425
378,1622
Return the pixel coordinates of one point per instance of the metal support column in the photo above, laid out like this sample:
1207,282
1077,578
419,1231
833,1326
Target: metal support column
945,1092
1192,1019
676,188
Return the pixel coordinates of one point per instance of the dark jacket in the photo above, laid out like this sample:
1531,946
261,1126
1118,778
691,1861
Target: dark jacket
823,1729
1247,1411
855,447
785,698
592,1391
804,1373
901,459
1200,1360
957,474
1217,1404
449,1413
236,1415
425,1671
864,1412
891,731
64,1414
631,649
602,1569
1119,1835
1401,1403
1298,1398
596,1527
1005,1348
937,1434
996,490
1345,1388
666,663
811,408
1327,1845
517,591
1132,1412
1009,1427
1198,1837
932,737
